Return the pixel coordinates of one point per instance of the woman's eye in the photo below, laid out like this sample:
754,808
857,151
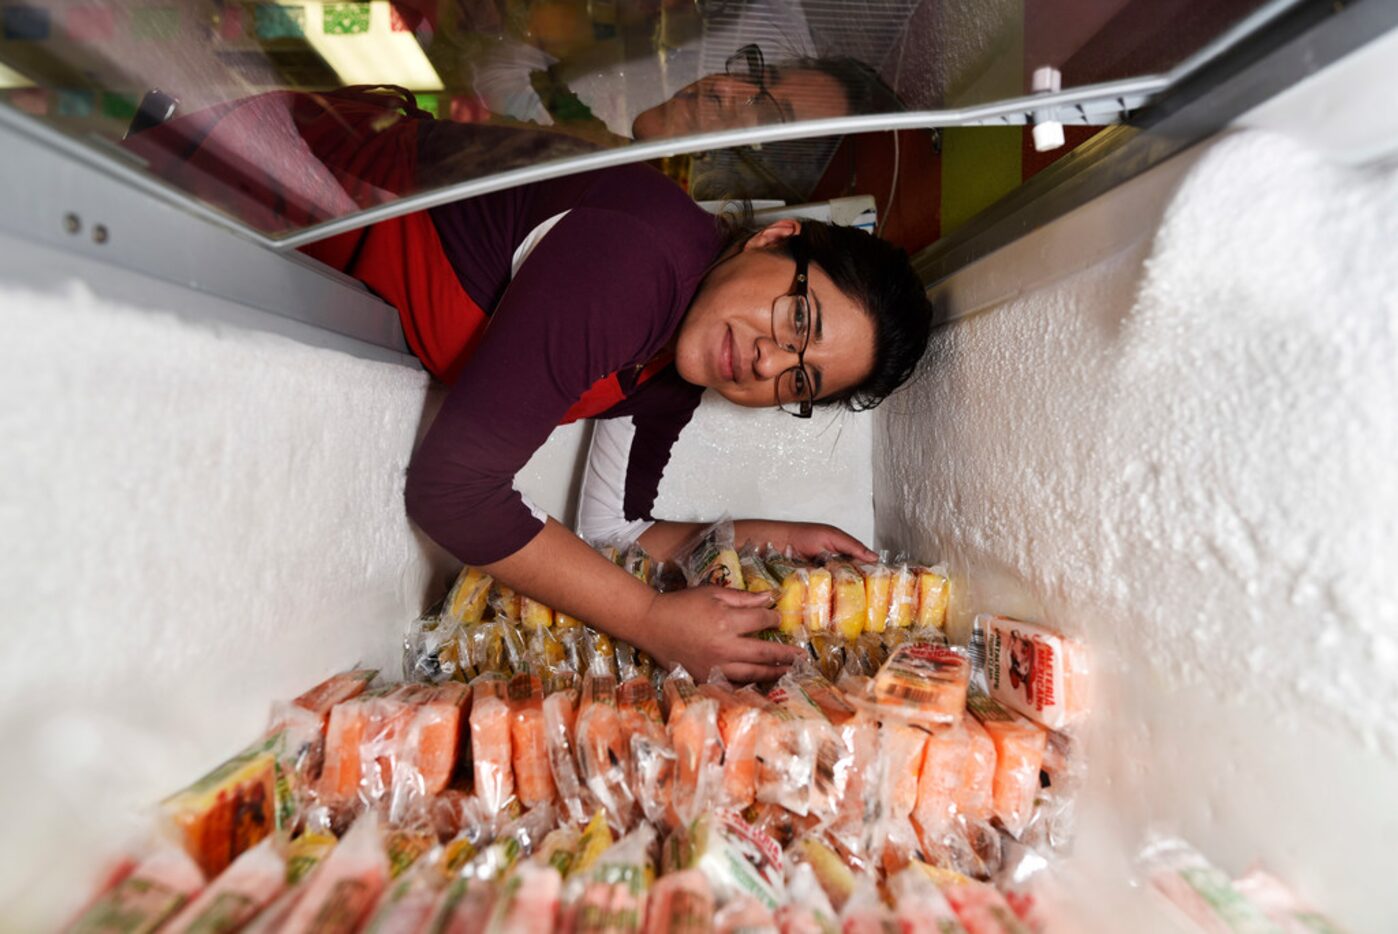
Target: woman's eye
798,380
798,318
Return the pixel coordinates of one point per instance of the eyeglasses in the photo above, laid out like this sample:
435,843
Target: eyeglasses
791,329
747,64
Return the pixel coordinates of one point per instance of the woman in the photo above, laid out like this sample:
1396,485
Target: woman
608,295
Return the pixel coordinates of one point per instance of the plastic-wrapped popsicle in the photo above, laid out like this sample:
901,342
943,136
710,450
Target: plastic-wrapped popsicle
560,717
340,895
467,600
902,747
791,605
680,903
336,689
819,595
409,903
878,596
638,563
902,600
434,733
231,808
611,897
532,613
920,907
711,557
978,906
922,683
943,762
756,577
745,915
505,601
933,596
562,620
738,723
698,751
492,746
528,901
251,883
652,759
146,898
1036,671
678,691
1282,906
1200,890
865,912
807,909
975,798
465,907
596,839
835,877
737,859
529,750
1019,754
849,610
602,747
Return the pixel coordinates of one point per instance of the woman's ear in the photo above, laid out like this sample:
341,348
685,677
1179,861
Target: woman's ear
773,234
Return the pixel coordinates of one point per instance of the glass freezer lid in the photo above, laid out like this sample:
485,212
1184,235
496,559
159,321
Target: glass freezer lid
239,110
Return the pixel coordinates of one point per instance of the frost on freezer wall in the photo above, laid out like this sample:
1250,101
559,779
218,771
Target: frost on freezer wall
197,520
1187,453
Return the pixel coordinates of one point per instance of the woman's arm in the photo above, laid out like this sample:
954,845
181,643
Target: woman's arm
807,539
702,628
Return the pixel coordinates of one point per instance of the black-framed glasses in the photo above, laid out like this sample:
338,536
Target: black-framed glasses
747,64
791,329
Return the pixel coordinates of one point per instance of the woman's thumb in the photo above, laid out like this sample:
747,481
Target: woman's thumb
744,599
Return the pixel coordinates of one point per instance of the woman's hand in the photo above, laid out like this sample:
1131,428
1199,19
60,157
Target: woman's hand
807,539
703,628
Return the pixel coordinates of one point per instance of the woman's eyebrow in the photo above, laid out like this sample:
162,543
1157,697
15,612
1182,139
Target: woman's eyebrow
819,317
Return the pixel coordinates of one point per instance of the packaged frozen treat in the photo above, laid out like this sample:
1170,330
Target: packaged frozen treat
711,557
791,604
560,720
492,745
836,878
933,596
603,748
756,576
611,896
902,599
534,614
528,901
849,608
922,683
878,595
342,892
819,597
336,689
745,915
939,778
698,752
146,898
467,600
865,912
737,859
529,750
504,601
1036,671
807,909
250,884
233,807
920,907
1019,754
978,906
1200,890
680,903
1282,906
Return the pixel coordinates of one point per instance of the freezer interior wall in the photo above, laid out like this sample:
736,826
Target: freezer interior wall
1169,428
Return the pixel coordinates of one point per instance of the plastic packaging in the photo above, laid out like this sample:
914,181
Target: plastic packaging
595,840
233,807
978,906
791,605
878,596
921,908
680,903
1019,754
492,745
306,852
711,557
1282,905
534,614
835,877
807,909
756,576
849,609
559,849
336,689
975,796
902,750
467,600
433,735
819,585
933,597
610,897
922,683
342,892
1200,890
828,653
736,858
788,738
639,564
1036,671
603,749
528,901
147,897
652,761
865,912
939,779
902,600
738,722
560,719
698,753
529,750
409,903
745,915
466,906
504,601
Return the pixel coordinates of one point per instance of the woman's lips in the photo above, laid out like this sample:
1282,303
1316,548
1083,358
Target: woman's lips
725,356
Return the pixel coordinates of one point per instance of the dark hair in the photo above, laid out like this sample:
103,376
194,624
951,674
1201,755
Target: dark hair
879,278
865,91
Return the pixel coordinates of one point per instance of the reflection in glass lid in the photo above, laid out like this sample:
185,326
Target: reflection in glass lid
285,116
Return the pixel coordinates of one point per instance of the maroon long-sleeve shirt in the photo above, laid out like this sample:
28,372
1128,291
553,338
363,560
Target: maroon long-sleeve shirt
603,292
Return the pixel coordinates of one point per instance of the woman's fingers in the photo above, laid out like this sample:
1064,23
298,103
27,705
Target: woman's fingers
847,544
741,672
762,652
754,619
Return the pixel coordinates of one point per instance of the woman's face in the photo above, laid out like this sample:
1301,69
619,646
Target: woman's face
725,342
722,102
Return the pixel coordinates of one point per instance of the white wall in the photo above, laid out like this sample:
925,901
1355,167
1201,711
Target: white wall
1178,443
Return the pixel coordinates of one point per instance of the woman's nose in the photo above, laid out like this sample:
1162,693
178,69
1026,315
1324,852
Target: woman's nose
772,359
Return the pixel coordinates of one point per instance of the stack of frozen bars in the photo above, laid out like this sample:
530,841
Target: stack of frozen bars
534,775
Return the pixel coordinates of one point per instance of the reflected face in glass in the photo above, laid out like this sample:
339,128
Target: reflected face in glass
728,341
722,102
